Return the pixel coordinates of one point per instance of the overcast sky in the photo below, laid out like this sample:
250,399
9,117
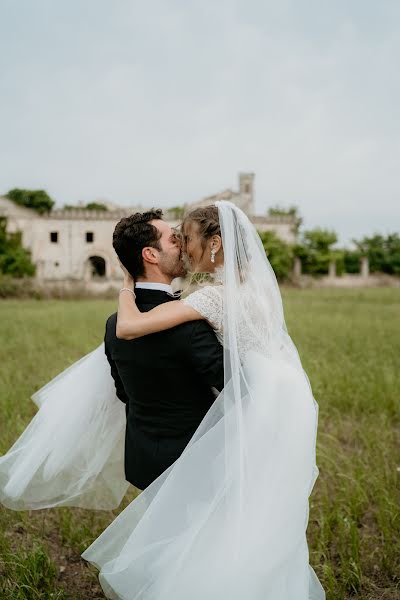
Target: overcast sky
163,102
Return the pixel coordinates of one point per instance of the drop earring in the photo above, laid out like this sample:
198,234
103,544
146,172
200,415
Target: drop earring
213,253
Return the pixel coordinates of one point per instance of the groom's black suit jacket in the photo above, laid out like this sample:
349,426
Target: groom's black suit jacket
165,380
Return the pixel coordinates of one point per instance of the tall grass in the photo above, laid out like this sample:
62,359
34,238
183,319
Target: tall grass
349,342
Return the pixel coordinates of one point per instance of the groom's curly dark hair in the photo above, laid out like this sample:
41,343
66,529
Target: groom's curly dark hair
132,234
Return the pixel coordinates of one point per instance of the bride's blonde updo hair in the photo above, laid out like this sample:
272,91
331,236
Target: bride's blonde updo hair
207,219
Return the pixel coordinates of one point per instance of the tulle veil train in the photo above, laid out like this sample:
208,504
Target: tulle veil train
72,452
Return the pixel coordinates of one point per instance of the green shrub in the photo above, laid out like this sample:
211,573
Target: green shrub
90,206
315,251
177,212
351,260
292,211
38,200
383,252
8,287
14,259
279,254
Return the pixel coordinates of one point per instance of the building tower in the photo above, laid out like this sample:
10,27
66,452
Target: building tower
246,191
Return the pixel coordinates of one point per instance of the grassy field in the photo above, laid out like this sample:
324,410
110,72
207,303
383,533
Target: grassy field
349,341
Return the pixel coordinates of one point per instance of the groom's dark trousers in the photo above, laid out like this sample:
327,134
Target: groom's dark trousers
166,381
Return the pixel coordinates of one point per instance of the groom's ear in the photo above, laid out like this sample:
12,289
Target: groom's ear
150,255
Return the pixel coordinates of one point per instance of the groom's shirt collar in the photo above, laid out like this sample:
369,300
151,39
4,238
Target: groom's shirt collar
147,285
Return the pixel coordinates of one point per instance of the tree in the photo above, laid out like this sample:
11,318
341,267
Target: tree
315,251
14,259
96,206
351,261
292,211
393,253
279,254
38,200
383,253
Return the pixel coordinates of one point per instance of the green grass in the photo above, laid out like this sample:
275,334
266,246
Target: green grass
28,575
349,342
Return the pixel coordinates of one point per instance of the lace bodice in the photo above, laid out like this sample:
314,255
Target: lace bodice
251,318
208,301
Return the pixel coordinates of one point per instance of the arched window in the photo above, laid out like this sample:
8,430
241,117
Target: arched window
97,266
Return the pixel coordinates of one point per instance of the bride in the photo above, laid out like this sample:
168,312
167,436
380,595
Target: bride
229,517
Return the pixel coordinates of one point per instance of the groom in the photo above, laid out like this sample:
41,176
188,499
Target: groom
165,379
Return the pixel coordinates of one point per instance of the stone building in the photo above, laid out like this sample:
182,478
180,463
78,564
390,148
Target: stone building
243,197
76,244
67,244
283,226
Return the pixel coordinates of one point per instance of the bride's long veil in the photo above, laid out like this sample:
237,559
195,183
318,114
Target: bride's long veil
72,452
228,519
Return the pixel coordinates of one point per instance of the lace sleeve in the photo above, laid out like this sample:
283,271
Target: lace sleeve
208,302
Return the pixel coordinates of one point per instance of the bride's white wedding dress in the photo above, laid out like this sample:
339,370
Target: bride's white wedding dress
228,519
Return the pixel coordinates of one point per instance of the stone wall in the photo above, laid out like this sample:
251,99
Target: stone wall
346,280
